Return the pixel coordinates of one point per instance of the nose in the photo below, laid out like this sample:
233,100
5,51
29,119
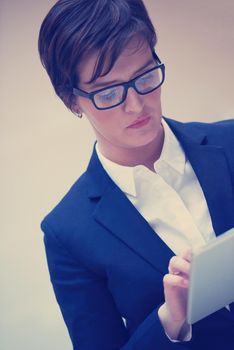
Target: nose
134,102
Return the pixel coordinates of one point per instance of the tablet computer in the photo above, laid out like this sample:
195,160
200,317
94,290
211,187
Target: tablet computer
212,277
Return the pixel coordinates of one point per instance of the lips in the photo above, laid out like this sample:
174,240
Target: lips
140,122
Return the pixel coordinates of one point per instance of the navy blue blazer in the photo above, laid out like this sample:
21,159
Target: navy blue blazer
107,264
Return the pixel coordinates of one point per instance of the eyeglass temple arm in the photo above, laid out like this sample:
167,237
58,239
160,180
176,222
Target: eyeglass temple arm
79,92
156,57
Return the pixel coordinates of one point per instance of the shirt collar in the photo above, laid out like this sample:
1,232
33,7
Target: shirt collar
123,176
172,152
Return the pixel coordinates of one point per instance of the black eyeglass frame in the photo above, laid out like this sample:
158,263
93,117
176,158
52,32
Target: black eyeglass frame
126,85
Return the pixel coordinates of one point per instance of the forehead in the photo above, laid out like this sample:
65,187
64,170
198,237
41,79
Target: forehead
135,54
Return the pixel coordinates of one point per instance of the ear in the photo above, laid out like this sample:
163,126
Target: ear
77,110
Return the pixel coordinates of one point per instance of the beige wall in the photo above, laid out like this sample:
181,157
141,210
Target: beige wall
44,148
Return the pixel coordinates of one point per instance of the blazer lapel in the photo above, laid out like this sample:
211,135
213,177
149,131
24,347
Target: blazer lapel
117,214
211,168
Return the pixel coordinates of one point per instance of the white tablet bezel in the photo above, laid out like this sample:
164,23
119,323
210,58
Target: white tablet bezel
211,284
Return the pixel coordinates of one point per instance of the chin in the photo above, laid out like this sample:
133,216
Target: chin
144,142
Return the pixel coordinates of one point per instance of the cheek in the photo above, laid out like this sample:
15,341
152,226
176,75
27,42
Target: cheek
90,111
99,119
85,105
154,99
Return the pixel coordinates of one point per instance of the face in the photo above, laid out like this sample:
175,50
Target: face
134,124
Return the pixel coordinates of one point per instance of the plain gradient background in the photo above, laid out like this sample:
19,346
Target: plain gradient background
44,148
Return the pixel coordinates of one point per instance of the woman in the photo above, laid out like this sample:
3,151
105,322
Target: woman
119,243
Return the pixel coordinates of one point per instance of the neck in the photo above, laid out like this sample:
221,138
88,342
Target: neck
144,155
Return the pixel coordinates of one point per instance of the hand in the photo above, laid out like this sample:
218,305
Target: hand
176,284
173,312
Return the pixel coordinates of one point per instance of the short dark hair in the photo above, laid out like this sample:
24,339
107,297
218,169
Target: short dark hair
73,28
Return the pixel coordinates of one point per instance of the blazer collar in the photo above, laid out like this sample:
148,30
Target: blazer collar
117,214
212,170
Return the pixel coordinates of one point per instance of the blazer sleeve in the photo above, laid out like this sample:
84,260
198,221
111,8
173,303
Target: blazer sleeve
88,308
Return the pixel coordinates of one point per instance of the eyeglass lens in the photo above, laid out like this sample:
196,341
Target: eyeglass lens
115,95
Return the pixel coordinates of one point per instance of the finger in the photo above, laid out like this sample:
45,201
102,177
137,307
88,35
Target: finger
171,281
178,265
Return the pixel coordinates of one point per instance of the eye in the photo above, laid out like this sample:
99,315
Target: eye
146,78
108,95
149,81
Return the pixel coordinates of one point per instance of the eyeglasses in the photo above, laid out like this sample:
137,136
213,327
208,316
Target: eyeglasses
113,95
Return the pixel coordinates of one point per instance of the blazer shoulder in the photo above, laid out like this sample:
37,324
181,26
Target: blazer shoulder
220,133
69,208
218,127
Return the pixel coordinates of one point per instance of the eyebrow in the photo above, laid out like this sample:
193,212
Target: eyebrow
101,84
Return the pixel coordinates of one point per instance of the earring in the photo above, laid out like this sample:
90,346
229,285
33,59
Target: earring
78,114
